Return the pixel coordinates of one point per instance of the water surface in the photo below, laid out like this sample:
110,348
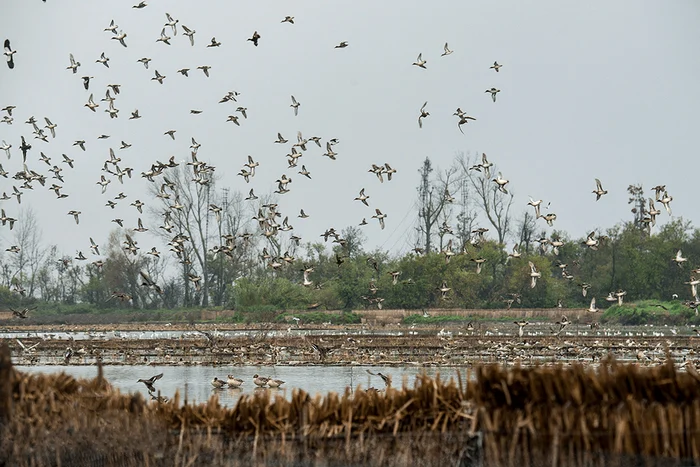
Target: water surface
194,382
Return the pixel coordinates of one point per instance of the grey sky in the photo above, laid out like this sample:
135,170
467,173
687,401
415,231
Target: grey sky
588,89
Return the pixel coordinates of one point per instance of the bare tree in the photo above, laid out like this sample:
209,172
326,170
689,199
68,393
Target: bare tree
639,206
466,218
27,261
526,230
433,197
494,203
186,205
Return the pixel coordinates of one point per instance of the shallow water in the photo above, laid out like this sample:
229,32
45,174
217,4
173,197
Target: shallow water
194,382
135,335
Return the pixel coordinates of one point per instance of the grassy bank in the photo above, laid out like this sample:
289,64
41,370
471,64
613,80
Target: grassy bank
650,312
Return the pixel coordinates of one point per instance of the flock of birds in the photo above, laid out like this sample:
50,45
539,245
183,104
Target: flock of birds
116,171
232,382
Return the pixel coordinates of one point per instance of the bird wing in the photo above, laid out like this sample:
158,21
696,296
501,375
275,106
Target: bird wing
598,185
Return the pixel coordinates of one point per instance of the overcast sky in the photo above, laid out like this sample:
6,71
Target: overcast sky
588,89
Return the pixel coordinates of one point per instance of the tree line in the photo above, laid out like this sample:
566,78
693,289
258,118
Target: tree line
218,256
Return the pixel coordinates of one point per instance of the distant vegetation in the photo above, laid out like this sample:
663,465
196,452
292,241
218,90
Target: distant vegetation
229,263
651,312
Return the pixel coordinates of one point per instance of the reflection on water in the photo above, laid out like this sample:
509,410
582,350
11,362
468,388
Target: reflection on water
194,382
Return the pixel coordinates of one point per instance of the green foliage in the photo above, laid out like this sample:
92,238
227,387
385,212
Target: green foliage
420,319
269,293
650,312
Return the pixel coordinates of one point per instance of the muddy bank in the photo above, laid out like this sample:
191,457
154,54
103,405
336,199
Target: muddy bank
338,347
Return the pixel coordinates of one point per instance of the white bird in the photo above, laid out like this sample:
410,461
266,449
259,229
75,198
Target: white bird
447,51
73,64
420,62
592,308
423,114
296,105
189,33
172,23
103,60
534,274
120,37
679,259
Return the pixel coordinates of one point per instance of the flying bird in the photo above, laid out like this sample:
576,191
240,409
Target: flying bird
158,77
420,62
447,51
103,60
495,66
296,105
189,33
9,53
599,190
493,92
363,198
380,217
255,38
73,64
423,114
150,382
534,274
120,37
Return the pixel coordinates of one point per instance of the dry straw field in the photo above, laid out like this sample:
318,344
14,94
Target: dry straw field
612,415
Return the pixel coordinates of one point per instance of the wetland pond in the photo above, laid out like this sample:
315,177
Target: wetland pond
194,382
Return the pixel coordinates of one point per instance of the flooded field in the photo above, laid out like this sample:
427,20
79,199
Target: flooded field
355,345
194,382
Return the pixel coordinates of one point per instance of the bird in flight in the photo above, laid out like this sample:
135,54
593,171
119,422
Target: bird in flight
534,274
420,62
9,53
380,217
447,51
599,190
120,37
73,64
423,113
189,33
493,92
255,38
342,45
103,60
495,66
296,105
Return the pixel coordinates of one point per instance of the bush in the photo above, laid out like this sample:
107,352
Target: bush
650,312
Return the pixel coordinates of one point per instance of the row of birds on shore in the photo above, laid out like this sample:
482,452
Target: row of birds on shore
235,383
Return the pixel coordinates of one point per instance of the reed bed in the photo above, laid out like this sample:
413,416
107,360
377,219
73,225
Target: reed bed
616,414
